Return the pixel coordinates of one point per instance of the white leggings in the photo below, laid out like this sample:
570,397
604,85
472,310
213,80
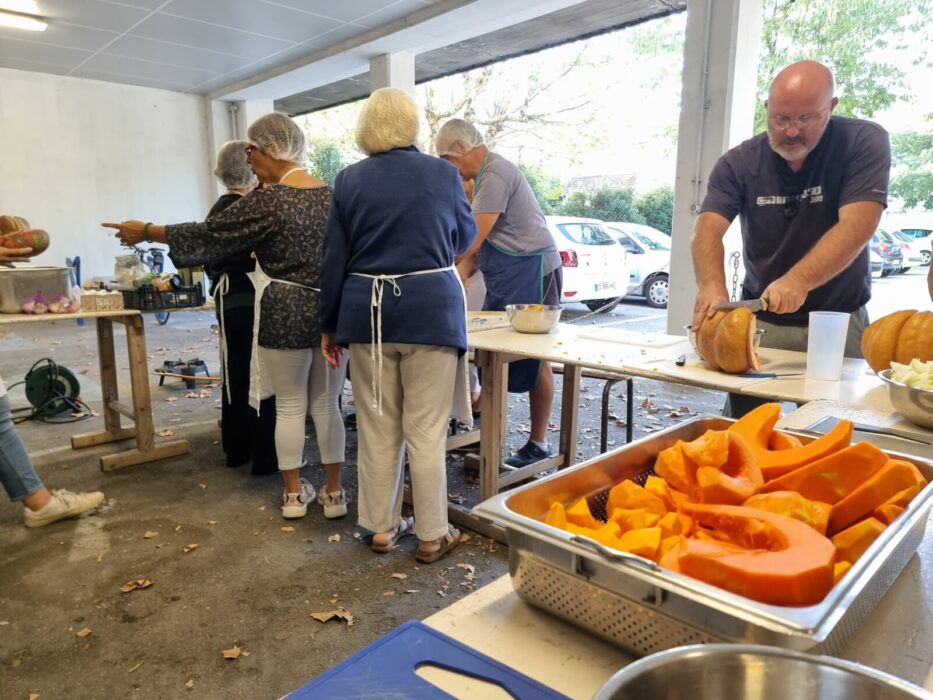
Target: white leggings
304,384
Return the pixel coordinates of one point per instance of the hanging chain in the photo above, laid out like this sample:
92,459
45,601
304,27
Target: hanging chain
735,276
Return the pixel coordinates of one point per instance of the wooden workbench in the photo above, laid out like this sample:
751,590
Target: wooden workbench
139,410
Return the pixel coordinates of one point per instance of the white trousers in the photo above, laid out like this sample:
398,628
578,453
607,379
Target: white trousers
304,384
417,390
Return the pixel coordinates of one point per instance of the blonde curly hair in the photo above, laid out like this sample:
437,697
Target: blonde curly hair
388,120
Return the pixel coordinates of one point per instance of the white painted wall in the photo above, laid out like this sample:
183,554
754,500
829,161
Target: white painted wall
77,152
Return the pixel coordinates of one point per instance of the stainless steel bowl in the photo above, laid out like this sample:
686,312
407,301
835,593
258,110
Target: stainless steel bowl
916,405
691,334
752,672
533,318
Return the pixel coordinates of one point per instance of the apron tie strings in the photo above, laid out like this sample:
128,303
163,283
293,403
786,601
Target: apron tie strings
220,291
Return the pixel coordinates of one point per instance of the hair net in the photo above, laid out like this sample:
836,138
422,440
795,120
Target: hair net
278,137
232,167
388,120
457,138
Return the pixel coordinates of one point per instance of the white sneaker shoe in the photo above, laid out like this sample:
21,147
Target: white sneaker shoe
295,505
335,503
64,504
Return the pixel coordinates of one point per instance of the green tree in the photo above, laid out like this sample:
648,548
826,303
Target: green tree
657,208
606,203
325,160
860,40
547,188
912,168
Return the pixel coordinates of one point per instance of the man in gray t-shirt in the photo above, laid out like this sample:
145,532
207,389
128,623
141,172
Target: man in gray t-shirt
516,254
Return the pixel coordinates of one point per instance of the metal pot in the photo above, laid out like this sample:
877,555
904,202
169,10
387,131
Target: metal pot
752,672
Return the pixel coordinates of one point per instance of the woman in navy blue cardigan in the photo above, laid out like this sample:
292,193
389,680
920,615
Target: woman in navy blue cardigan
389,292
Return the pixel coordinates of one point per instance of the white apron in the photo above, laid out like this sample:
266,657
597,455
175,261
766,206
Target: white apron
462,405
259,385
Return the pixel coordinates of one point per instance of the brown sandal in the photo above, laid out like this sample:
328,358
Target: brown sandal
406,526
445,544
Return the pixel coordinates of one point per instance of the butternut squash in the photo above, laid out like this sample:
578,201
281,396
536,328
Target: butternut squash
644,542
757,425
659,487
676,469
634,518
834,477
579,514
737,478
792,505
628,494
891,479
852,542
771,558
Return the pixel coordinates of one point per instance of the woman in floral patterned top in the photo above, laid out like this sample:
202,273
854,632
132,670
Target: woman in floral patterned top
284,224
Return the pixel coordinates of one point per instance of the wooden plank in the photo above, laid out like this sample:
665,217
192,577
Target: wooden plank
101,437
463,516
517,474
108,375
462,439
122,409
9,319
495,377
139,380
569,415
109,463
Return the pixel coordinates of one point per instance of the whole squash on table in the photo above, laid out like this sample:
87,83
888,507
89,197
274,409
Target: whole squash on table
725,341
15,232
899,337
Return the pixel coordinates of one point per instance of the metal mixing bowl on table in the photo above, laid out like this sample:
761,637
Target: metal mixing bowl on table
916,405
752,672
533,318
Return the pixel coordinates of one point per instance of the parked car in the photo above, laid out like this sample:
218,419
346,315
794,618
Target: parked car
649,260
890,254
594,264
924,236
876,262
913,249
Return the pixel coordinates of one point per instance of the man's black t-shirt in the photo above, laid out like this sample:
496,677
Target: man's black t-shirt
783,214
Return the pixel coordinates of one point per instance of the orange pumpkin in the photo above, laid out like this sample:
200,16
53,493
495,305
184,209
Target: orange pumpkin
792,505
899,337
11,224
726,341
888,481
852,542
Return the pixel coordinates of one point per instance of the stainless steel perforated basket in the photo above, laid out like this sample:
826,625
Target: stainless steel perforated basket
634,603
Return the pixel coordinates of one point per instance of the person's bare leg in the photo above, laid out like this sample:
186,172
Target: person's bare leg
291,479
37,499
540,400
332,482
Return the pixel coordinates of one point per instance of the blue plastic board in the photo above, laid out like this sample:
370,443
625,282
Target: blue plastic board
386,669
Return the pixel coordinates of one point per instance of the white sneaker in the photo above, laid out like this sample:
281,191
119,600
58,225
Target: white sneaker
335,503
295,505
64,504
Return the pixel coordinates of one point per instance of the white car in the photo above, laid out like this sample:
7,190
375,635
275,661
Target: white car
649,260
925,237
594,265
916,250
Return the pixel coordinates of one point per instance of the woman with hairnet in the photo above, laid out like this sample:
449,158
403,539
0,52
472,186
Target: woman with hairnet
390,293
246,435
283,223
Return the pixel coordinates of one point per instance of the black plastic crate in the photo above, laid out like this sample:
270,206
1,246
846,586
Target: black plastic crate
148,299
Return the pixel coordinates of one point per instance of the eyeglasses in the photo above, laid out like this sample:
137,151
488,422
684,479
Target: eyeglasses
782,121
791,206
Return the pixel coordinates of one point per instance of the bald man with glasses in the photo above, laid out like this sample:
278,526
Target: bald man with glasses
809,193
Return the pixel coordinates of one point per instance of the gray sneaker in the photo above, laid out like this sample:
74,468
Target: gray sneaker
64,504
334,502
295,505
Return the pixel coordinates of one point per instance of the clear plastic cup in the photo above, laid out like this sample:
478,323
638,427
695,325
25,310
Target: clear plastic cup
826,344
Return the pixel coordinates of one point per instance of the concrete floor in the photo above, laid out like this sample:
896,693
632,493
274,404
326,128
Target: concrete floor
248,582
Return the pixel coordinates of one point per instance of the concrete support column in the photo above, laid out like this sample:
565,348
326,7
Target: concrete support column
717,112
393,70
227,121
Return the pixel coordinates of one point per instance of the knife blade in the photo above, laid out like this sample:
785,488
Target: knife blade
755,305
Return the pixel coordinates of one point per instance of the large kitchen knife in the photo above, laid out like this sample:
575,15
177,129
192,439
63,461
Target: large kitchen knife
755,305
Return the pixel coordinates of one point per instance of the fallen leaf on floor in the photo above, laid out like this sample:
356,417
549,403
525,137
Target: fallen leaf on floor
100,557
288,528
82,633
171,399
135,667
150,534
190,684
442,594
33,696
202,486
191,395
246,653
413,590
232,653
205,393
174,420
189,548
340,613
136,583
65,466
469,568
83,371
216,442
465,537
262,507
167,432
398,576
211,522
333,538
177,528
